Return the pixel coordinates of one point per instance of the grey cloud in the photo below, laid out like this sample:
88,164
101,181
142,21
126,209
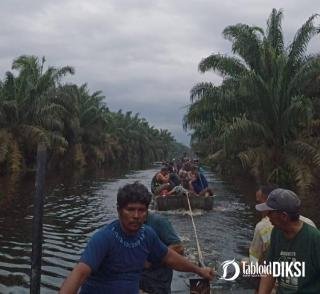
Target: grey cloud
142,54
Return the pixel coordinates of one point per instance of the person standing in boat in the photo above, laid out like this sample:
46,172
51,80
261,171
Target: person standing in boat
198,183
114,257
156,278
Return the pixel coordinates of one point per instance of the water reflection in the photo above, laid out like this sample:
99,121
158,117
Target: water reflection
76,207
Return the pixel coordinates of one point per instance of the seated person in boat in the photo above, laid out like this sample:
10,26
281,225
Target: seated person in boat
160,186
184,175
173,177
198,183
161,182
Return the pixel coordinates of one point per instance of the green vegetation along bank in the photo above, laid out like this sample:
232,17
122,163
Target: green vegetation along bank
76,126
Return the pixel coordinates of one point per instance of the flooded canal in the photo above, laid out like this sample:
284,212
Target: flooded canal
76,207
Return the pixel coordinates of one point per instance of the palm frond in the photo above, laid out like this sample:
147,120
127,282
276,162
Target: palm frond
64,71
200,90
34,134
217,156
246,42
226,66
296,116
274,31
253,157
302,38
307,72
301,173
305,152
243,129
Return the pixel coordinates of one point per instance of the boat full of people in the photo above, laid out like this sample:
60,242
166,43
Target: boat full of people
178,188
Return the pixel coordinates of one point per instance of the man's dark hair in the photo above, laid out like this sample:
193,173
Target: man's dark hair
267,189
133,193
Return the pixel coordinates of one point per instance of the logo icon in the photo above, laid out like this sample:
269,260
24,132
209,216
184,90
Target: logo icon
235,270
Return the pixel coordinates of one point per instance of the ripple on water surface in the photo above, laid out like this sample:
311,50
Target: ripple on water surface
73,212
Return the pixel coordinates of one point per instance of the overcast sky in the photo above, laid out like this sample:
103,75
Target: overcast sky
142,54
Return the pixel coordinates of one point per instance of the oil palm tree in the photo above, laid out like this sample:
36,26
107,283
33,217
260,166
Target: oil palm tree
260,111
36,108
29,113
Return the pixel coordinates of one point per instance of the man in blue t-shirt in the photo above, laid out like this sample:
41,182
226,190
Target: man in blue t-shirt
157,278
114,258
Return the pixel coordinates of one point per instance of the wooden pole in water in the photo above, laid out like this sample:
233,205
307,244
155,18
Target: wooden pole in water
38,220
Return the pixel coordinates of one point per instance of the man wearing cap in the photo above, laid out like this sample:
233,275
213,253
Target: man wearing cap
292,240
262,232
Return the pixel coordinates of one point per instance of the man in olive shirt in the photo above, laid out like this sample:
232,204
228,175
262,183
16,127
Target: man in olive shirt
157,277
291,241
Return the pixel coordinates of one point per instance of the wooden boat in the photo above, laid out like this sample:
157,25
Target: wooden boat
178,201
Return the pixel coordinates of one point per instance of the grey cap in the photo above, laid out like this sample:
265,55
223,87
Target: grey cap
281,199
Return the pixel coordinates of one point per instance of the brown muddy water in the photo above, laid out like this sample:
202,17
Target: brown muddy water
76,206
